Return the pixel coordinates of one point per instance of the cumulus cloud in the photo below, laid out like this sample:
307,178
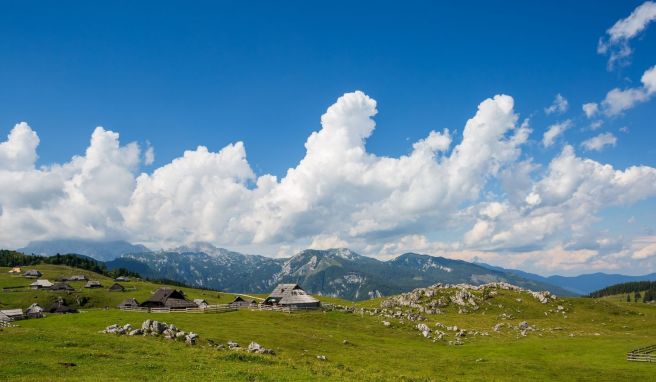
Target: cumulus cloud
338,195
619,100
559,105
599,142
75,199
554,131
616,42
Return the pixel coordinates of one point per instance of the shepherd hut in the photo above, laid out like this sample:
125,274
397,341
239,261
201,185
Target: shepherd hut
201,303
61,307
242,302
129,303
116,288
13,314
61,286
168,298
93,284
34,311
32,273
41,284
293,296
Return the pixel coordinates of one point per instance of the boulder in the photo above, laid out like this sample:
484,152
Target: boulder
146,325
190,339
321,357
254,347
136,332
424,329
524,325
232,345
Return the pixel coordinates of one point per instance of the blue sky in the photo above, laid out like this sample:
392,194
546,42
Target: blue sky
174,76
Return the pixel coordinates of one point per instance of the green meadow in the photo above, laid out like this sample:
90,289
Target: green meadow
588,342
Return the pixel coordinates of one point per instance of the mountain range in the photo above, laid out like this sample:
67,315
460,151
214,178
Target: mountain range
333,272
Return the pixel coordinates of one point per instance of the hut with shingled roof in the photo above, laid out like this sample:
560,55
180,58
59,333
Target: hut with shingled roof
292,296
168,298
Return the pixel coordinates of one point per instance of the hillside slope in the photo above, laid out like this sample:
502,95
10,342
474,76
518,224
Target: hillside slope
334,272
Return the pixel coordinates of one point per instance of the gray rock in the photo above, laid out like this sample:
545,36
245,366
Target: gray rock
321,357
232,345
136,332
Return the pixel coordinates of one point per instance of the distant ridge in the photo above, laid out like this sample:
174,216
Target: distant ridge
99,250
581,284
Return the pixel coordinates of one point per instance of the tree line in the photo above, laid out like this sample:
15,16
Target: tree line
644,291
13,259
9,258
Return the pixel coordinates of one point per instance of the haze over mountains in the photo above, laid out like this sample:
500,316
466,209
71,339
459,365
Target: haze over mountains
334,272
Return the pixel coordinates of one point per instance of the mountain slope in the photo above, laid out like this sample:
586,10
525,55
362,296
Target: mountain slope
334,272
99,250
581,284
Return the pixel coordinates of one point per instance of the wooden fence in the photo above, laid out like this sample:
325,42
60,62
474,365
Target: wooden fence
208,309
221,308
644,354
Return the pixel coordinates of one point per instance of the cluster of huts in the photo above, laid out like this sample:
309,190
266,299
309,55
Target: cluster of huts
34,311
284,295
61,283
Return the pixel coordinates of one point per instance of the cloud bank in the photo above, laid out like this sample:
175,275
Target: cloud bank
492,200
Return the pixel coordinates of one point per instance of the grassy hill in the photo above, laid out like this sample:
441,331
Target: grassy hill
585,340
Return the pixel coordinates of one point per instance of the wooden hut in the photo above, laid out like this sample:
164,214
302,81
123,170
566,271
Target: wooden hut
32,273
122,279
128,303
293,296
242,302
15,270
61,307
201,303
76,278
34,311
4,318
61,286
41,284
116,288
93,284
13,314
168,298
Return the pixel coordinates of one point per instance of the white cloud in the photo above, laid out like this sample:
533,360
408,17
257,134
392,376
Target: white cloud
149,155
599,142
559,105
18,152
616,41
76,199
617,101
554,131
480,192
644,248
590,109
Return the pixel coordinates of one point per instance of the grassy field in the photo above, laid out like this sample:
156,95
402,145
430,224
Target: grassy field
588,342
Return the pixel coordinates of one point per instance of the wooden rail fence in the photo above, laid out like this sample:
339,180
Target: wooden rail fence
644,354
221,308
